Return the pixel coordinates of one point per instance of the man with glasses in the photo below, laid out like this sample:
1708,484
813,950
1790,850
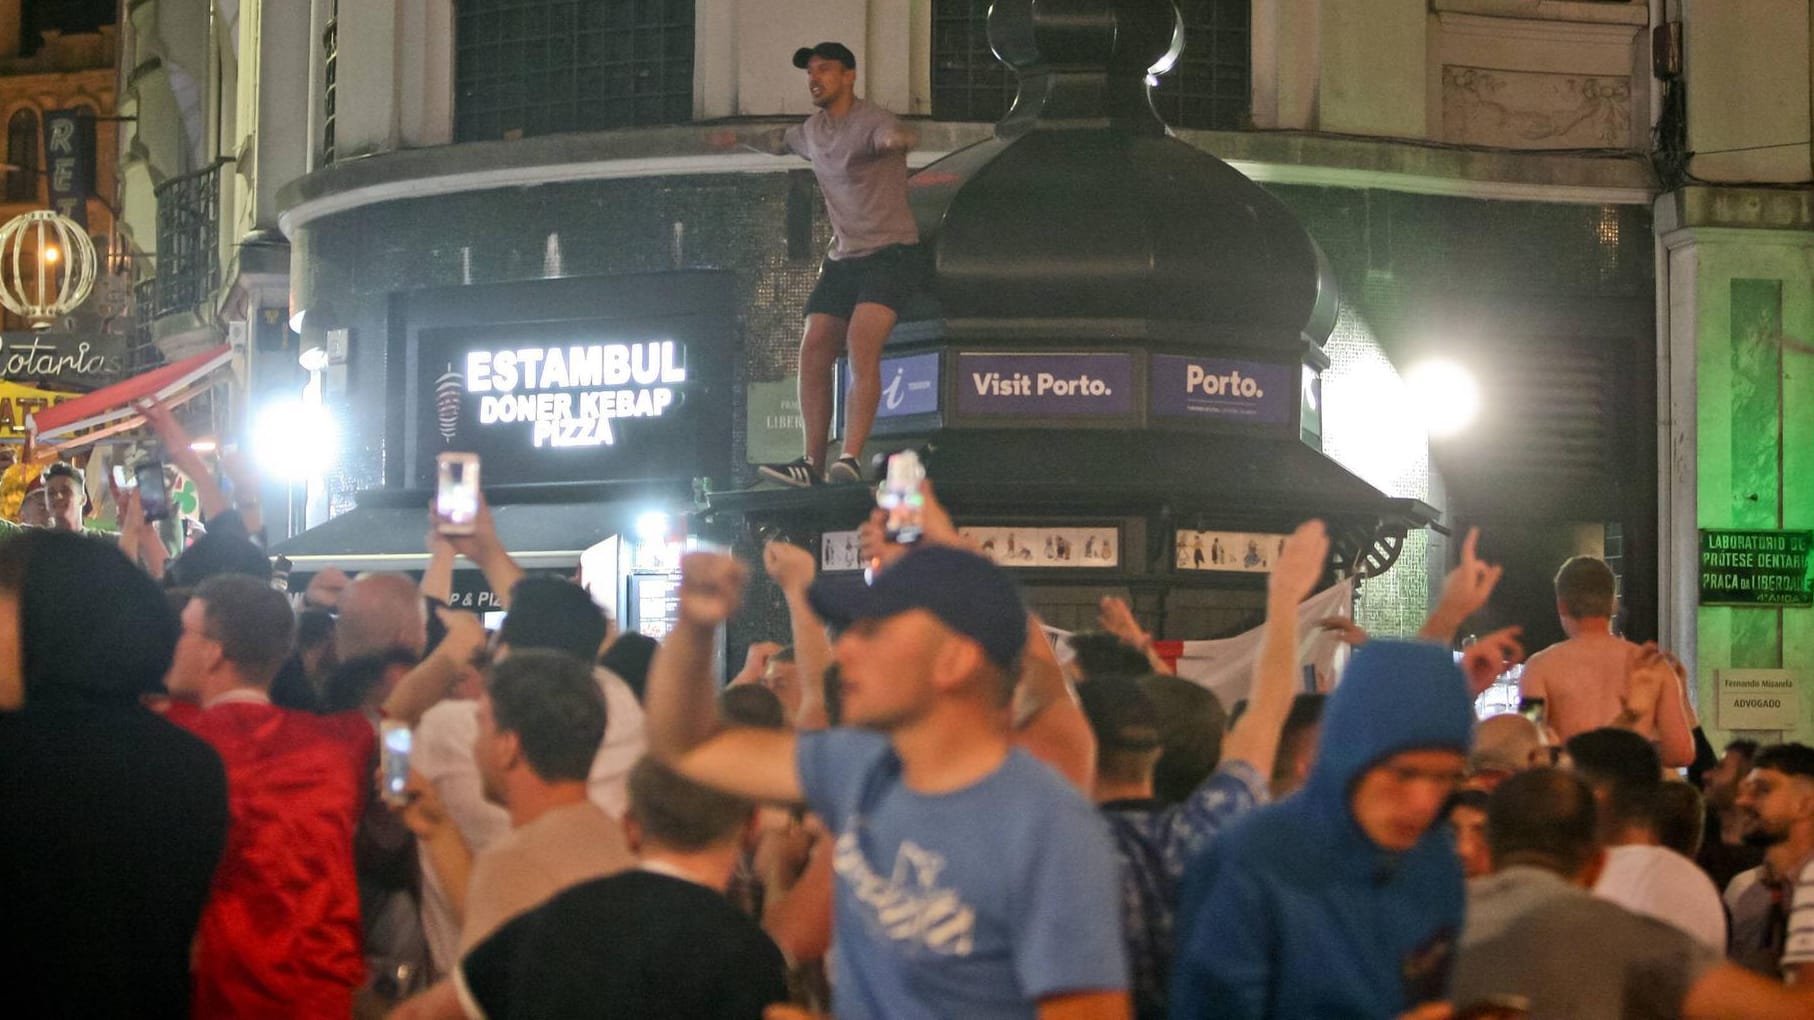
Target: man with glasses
1346,898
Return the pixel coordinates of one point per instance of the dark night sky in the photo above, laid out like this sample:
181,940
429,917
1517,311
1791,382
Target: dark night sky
68,15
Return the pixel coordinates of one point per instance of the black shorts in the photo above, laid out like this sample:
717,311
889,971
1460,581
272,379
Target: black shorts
889,278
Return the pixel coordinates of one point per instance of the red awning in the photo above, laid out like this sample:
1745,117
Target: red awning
110,409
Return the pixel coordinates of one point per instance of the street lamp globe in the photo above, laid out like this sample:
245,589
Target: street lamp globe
47,267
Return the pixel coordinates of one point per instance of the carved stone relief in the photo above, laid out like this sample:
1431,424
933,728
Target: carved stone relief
1531,110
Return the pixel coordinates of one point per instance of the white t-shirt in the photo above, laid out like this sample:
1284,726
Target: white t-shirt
1798,945
442,752
1660,883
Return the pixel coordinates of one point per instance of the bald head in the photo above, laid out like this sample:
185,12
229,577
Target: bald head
1507,743
380,613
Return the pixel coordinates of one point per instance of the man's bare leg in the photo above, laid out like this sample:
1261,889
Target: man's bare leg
868,330
819,350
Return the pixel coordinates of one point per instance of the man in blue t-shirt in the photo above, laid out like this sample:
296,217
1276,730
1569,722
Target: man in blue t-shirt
971,880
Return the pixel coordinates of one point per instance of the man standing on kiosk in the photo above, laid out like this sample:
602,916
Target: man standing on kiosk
859,155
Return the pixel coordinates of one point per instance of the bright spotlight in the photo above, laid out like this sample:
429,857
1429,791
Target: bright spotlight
51,254
652,526
294,440
1446,395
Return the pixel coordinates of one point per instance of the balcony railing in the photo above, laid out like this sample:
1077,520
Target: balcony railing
188,241
142,354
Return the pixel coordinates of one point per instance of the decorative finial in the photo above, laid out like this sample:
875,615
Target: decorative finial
1084,63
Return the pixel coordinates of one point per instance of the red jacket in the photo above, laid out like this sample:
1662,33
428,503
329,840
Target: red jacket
280,935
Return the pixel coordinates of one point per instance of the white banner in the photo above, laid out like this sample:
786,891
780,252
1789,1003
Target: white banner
1225,666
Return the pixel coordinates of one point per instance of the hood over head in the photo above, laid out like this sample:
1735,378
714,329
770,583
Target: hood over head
1394,696
92,626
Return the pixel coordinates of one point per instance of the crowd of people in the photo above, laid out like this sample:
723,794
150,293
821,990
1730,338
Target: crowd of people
222,800
912,804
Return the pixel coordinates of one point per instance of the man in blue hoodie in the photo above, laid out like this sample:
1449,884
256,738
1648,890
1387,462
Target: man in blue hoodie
1346,899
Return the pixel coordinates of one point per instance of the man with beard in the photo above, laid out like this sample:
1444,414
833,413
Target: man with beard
1776,802
1724,850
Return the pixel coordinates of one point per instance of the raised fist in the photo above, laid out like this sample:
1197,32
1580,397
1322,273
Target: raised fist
711,588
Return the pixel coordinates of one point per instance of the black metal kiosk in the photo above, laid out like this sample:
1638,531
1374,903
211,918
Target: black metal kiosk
1116,378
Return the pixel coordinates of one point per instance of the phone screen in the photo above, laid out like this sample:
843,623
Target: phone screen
900,496
457,493
394,759
154,495
123,478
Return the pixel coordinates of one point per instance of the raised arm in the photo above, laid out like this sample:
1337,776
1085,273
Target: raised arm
1049,721
792,568
437,580
1254,738
1464,592
682,718
1114,616
423,687
484,548
177,451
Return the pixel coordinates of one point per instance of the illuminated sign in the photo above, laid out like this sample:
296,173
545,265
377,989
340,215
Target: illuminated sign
1055,385
1223,389
567,396
30,357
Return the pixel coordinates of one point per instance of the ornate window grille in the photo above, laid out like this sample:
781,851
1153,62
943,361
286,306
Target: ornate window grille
1209,87
537,67
188,241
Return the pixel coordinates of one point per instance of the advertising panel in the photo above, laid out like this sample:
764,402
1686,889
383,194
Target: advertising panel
1224,389
1054,385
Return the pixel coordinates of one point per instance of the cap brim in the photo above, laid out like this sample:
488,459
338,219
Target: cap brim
802,57
841,601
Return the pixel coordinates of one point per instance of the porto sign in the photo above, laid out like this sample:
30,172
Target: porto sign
1223,389
1058,385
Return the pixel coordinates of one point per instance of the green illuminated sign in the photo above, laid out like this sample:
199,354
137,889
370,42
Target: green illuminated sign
1756,568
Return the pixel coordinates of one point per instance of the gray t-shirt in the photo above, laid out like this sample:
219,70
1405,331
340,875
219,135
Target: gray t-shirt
1530,933
865,185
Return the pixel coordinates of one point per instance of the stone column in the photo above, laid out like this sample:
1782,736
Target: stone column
1736,352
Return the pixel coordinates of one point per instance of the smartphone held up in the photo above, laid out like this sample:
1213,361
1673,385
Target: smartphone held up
154,490
394,740
457,493
900,496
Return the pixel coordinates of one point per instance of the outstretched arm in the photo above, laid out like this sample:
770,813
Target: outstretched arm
1050,724
792,568
484,548
1255,736
682,719
1114,616
1465,591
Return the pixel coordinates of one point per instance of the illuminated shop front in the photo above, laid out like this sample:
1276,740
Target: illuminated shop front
593,403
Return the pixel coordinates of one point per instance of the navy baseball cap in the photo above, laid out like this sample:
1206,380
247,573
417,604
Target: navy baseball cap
966,592
825,51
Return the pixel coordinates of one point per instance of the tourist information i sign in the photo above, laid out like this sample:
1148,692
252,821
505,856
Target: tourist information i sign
1756,568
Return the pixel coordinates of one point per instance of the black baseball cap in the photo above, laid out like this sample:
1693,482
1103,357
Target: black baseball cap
825,51
966,592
